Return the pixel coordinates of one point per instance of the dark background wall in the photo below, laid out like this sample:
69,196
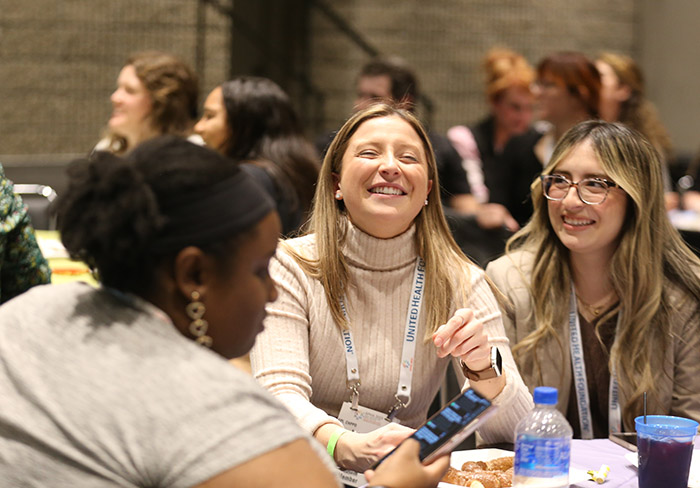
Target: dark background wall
669,42
59,59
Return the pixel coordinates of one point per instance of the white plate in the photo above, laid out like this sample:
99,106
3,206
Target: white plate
458,458
51,247
693,477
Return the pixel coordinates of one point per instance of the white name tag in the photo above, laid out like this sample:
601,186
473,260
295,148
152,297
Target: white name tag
362,421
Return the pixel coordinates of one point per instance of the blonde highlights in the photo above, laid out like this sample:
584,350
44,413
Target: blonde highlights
433,238
651,257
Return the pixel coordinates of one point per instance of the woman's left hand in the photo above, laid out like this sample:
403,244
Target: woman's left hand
463,337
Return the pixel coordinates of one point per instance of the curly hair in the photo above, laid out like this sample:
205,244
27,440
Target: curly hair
112,212
174,90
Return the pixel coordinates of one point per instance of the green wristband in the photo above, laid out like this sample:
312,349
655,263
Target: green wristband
330,448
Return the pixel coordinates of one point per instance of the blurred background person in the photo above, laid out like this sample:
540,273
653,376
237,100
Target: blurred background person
22,265
623,99
251,119
567,91
509,78
689,184
391,79
156,94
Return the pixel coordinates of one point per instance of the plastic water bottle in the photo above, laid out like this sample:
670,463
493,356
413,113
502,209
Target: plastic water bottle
543,444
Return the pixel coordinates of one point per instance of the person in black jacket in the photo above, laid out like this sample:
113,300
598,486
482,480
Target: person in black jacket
508,89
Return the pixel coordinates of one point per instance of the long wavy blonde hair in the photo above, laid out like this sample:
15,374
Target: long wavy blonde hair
434,241
650,256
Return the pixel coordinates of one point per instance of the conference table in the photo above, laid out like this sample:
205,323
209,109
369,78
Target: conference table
586,455
688,224
63,268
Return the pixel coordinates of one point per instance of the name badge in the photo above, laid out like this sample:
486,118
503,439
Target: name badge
362,421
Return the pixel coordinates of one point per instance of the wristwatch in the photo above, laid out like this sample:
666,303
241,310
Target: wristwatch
493,371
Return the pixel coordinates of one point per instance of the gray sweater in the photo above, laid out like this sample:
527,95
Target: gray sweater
98,389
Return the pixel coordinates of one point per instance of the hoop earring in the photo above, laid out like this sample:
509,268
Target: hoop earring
338,195
198,327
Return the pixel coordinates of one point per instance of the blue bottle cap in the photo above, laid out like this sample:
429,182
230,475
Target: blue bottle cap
546,395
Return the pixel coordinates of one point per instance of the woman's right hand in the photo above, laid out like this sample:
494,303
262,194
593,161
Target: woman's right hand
403,469
494,216
359,451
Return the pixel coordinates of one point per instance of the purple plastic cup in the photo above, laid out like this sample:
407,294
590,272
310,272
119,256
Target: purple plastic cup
664,450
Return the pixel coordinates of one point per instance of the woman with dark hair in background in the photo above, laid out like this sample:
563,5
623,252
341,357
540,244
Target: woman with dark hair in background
252,119
127,384
156,95
567,91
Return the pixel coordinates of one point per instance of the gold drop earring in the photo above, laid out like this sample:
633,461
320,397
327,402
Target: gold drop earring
198,327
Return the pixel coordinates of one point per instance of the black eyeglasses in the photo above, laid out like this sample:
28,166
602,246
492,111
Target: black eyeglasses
591,191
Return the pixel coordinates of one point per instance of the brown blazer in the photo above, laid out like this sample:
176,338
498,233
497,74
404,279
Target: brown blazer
679,385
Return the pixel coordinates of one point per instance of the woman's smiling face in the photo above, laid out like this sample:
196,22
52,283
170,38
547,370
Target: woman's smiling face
384,176
587,229
131,106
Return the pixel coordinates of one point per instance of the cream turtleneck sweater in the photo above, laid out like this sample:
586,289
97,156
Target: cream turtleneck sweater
300,356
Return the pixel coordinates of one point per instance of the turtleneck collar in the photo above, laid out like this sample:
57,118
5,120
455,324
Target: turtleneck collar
368,252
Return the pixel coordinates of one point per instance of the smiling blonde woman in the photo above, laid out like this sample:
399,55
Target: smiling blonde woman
377,240
599,265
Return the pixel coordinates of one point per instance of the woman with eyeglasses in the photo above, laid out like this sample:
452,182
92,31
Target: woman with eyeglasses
605,294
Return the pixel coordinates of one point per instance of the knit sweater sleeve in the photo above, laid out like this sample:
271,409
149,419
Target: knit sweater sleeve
514,401
280,357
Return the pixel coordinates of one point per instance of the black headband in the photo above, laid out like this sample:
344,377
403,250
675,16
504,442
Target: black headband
206,216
